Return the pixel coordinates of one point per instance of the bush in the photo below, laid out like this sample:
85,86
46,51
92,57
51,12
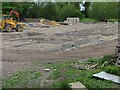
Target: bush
103,10
49,11
113,70
69,11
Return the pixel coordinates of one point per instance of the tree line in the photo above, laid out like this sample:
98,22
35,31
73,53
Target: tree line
59,11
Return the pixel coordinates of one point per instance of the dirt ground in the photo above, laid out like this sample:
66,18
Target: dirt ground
44,45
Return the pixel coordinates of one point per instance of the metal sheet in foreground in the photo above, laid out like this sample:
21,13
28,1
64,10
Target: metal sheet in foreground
107,76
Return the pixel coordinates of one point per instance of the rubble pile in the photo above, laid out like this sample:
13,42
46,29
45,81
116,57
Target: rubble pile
85,66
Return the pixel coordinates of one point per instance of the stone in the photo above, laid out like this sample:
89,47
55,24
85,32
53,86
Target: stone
47,70
75,85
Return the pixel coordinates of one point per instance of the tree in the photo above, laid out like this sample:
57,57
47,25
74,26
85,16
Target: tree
103,10
70,11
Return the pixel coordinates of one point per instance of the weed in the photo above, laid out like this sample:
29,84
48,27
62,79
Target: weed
113,70
55,74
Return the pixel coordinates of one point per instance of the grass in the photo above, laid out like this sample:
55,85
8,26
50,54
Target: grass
63,73
23,79
112,20
113,70
88,20
61,85
54,74
84,76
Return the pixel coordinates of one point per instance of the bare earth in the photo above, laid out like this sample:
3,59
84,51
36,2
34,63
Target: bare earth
44,45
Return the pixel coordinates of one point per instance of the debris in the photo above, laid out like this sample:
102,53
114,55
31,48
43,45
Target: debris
77,85
47,70
84,66
30,24
94,66
44,26
107,76
104,64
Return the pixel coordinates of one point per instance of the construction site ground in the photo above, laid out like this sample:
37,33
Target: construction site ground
60,43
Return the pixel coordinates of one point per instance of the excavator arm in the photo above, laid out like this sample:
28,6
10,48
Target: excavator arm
16,13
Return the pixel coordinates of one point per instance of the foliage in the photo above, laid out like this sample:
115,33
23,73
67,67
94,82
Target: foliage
61,85
100,61
84,76
105,58
69,11
87,5
61,10
103,10
55,74
31,78
49,11
113,70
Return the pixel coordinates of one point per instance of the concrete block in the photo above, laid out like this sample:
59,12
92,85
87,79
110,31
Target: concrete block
77,85
73,20
107,76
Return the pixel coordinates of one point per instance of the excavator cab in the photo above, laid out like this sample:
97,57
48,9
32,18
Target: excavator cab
8,23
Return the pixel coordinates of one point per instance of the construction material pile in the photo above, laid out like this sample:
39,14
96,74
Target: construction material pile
72,21
42,23
49,23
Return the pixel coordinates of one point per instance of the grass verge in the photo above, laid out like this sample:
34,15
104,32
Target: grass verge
24,79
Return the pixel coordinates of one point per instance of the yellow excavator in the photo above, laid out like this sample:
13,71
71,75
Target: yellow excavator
8,24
